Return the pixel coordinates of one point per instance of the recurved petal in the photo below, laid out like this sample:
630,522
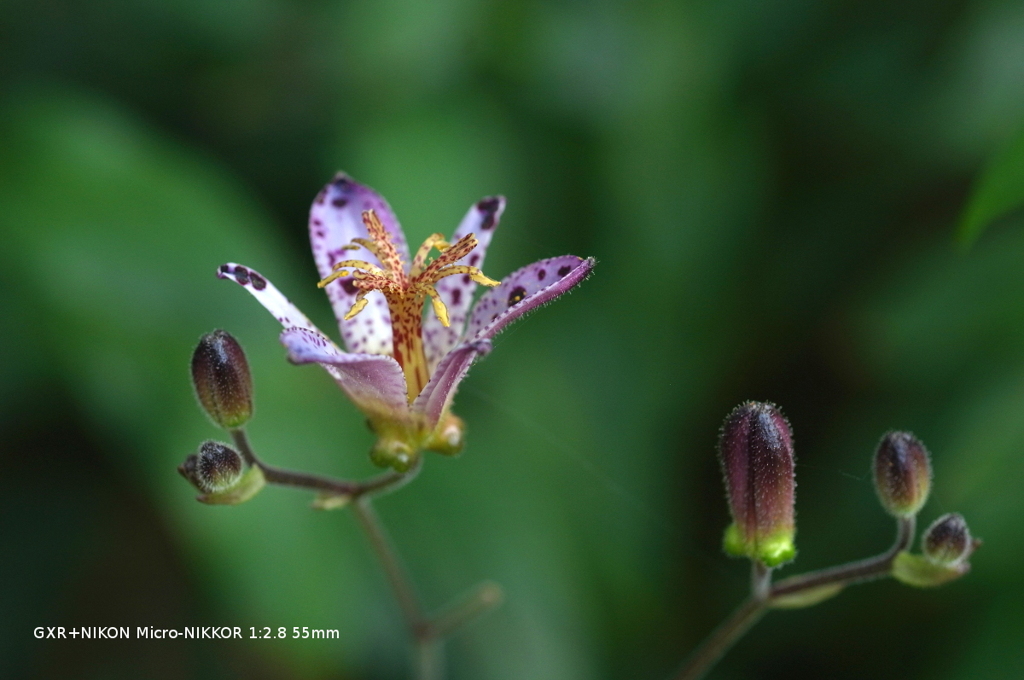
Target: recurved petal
374,382
267,294
457,291
438,393
523,291
334,220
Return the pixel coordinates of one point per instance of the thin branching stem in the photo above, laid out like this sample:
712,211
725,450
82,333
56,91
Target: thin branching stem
763,594
388,481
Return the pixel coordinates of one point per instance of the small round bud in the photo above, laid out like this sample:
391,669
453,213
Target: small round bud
903,474
947,542
393,453
756,452
449,437
215,468
220,374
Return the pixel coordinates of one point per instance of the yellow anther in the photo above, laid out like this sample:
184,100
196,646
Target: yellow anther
360,303
441,311
439,307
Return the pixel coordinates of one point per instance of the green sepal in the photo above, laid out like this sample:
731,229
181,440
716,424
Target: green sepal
807,598
920,572
771,551
247,486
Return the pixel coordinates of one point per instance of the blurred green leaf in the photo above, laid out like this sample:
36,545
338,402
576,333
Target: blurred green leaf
997,193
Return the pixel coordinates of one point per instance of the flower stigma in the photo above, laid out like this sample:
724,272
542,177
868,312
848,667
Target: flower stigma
406,292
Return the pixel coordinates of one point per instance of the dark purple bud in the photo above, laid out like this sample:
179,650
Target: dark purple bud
948,542
756,452
215,468
220,374
903,474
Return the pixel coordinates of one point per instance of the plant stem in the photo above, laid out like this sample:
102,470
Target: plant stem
388,481
763,593
852,572
428,660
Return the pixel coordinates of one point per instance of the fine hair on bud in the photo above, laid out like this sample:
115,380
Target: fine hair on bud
215,467
220,374
948,542
755,449
902,472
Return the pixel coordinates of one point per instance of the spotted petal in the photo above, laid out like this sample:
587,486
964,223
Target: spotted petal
523,291
457,291
438,393
334,220
267,294
374,382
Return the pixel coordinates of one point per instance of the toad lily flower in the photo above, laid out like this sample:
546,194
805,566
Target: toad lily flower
402,366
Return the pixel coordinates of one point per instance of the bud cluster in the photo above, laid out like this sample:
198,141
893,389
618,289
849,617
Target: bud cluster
223,385
755,450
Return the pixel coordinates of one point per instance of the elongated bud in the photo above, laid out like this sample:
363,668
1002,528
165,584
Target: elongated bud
948,542
756,452
903,474
220,374
215,468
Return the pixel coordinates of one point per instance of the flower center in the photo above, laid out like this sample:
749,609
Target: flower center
406,292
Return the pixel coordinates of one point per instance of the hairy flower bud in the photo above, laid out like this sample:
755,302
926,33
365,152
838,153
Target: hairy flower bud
903,474
947,542
221,377
215,468
756,452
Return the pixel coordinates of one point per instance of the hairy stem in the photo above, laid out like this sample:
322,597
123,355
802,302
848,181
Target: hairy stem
763,593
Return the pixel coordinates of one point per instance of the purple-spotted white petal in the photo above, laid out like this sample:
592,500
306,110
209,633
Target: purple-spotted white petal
523,291
457,291
334,220
375,382
267,294
435,398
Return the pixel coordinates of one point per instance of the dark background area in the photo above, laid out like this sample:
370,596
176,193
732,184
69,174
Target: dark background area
771,191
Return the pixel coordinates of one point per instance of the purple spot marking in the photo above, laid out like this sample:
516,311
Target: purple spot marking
350,286
224,269
258,282
242,275
562,271
517,294
473,260
541,274
466,279
339,202
488,207
456,296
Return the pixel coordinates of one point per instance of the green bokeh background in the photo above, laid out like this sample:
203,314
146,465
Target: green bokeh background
771,191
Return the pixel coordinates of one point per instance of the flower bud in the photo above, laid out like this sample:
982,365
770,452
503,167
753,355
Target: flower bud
393,453
947,542
755,449
903,474
215,468
220,374
449,437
